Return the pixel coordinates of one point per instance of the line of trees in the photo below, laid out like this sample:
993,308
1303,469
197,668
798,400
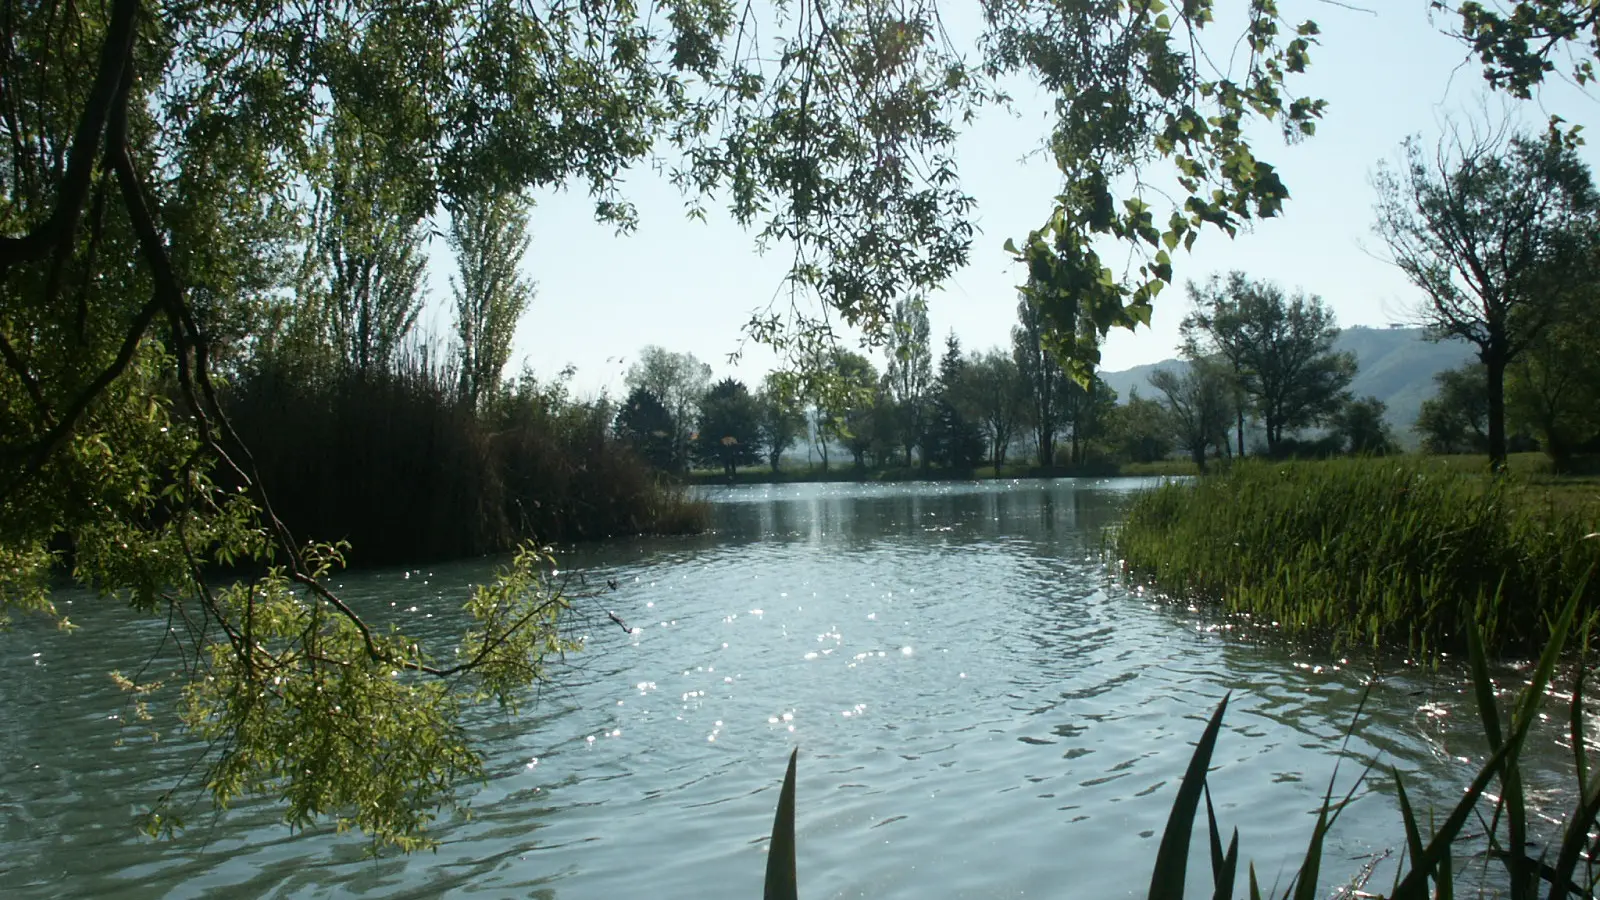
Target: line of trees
1254,354
968,409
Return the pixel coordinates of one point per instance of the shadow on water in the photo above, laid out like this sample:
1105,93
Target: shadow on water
981,712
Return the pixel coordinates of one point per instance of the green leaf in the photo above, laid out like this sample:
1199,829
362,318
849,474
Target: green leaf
1436,854
1172,858
781,884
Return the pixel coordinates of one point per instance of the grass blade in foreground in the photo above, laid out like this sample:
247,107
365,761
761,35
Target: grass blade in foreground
781,883
1224,866
1415,883
1305,883
1512,800
1576,833
1172,860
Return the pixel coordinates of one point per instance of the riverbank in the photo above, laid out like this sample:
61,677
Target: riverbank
850,474
1409,551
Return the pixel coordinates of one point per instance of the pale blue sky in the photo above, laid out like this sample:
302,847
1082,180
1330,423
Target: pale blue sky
690,286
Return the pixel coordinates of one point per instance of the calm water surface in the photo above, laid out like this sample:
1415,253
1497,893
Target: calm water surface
980,712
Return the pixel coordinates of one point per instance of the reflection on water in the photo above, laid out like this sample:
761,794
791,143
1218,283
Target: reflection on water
980,713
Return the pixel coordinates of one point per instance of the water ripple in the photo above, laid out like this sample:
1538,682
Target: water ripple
981,712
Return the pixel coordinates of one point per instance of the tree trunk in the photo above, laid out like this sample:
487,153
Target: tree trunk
1241,432
1047,448
1495,365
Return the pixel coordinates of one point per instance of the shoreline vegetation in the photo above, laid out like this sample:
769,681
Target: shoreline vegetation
397,465
1409,551
847,474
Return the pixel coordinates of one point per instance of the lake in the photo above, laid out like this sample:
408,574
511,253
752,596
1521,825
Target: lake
981,711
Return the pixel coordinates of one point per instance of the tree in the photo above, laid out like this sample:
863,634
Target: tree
870,426
1084,412
837,382
1215,326
1140,430
370,242
645,424
1278,350
1360,427
954,439
1199,406
781,417
489,235
1042,377
1456,418
996,391
156,184
1487,229
730,427
678,381
1515,44
1553,389
910,371
852,384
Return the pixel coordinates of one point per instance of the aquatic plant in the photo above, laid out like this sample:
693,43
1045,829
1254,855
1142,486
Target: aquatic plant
1370,551
527,464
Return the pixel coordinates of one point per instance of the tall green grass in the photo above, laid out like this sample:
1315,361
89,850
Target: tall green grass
1369,551
397,465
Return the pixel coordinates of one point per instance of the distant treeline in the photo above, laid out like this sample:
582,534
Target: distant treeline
1261,378
1016,405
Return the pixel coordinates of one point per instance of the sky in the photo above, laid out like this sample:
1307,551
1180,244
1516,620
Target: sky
1387,72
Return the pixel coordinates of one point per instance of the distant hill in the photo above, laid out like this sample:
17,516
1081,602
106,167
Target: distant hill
1396,365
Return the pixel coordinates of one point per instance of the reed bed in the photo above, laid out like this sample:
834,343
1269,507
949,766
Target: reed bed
1371,551
395,464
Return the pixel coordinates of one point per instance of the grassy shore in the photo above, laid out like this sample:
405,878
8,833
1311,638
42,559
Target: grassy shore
1400,550
849,473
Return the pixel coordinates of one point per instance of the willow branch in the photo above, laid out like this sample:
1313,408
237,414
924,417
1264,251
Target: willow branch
56,233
